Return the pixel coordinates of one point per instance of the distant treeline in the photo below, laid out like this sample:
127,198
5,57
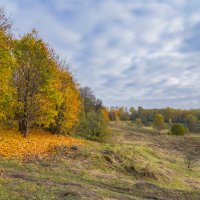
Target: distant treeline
170,115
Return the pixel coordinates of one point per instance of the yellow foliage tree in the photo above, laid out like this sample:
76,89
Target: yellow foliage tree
6,65
105,114
35,88
69,107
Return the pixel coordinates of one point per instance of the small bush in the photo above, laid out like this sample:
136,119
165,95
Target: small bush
93,127
138,122
169,132
178,129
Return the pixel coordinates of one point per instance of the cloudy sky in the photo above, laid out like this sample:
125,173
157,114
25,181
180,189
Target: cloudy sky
130,52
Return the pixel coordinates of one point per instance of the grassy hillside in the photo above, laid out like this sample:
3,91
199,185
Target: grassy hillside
134,164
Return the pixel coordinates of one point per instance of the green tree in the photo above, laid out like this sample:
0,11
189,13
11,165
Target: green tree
93,122
133,113
93,126
191,119
90,102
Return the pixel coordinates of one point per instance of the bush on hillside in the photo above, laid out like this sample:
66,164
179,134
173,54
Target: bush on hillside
93,118
178,129
138,122
93,126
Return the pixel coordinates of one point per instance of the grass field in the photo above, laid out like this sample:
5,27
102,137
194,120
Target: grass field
135,164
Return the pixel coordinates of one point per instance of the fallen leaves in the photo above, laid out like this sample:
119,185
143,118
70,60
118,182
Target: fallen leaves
38,143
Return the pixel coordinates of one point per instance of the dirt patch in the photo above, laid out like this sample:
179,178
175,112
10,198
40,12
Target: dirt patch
185,145
148,173
17,175
150,191
69,194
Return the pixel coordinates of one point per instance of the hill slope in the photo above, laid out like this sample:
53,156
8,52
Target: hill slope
135,164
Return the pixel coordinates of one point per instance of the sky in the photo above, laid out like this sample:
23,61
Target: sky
129,52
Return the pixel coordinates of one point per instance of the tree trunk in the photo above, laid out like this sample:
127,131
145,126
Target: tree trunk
24,128
25,117
20,125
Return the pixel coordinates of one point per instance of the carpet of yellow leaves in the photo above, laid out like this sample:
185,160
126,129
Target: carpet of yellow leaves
38,143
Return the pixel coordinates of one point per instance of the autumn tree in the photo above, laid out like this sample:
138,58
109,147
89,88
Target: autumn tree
69,106
105,114
36,88
5,23
113,116
158,122
123,114
6,66
32,81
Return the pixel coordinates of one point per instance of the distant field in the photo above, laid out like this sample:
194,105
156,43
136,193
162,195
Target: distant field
135,164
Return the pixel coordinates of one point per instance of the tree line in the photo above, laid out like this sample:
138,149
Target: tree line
37,89
146,116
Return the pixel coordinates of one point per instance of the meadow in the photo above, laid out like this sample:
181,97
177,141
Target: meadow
134,163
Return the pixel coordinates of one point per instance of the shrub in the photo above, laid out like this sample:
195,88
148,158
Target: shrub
93,127
178,129
93,117
138,122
